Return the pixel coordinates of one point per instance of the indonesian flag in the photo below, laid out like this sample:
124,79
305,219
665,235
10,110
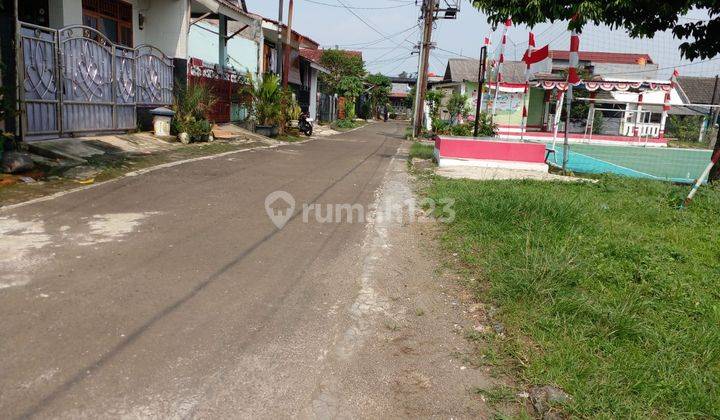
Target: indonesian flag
538,61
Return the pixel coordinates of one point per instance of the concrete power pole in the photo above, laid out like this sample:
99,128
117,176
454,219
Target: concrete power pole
428,12
279,47
288,40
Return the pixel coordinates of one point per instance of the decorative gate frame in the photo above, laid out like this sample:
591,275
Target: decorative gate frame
74,80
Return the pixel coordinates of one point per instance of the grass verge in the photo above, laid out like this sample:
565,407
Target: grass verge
606,290
422,151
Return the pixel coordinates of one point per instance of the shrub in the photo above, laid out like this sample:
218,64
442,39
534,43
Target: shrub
486,127
440,126
685,128
192,104
462,129
457,105
198,129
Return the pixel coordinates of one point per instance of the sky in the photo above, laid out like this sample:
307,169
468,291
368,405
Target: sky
392,27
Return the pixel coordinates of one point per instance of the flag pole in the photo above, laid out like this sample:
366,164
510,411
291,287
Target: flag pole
523,121
481,85
572,80
501,60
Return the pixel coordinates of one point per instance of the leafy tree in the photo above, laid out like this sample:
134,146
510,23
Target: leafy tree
685,128
341,65
410,99
458,105
379,92
434,99
350,87
640,18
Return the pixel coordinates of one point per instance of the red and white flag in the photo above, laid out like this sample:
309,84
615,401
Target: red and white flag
538,61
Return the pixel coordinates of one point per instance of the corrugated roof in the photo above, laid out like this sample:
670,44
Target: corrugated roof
698,90
604,57
467,69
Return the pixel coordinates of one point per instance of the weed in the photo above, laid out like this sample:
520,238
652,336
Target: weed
497,395
422,151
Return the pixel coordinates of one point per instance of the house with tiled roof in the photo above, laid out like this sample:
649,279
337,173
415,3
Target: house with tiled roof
608,64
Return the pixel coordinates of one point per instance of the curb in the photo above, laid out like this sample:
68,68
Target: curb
142,172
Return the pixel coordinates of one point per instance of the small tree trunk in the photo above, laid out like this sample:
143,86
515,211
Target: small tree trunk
715,171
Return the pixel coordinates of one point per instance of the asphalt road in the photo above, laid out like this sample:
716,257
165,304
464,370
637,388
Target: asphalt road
140,296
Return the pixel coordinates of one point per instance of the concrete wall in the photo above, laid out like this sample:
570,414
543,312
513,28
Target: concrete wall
166,23
64,13
164,26
313,93
203,44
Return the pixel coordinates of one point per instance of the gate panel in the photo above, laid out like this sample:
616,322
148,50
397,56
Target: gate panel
74,81
125,76
154,76
37,62
86,58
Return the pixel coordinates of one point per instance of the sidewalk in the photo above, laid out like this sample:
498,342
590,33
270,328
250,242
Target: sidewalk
67,163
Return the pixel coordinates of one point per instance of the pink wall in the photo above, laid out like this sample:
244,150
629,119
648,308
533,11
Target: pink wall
459,147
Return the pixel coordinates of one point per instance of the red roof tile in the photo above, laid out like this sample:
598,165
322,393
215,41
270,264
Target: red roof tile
315,55
604,57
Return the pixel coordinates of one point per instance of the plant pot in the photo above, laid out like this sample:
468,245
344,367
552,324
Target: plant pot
267,130
184,138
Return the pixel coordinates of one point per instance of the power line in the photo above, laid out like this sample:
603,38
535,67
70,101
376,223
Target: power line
377,41
360,8
394,49
361,19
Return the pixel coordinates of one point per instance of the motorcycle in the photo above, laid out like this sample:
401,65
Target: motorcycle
305,124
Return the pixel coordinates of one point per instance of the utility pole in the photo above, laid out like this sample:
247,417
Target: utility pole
481,85
279,46
428,10
288,40
430,13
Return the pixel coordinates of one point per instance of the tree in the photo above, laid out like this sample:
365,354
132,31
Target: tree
410,99
341,65
640,18
434,98
458,105
379,92
350,87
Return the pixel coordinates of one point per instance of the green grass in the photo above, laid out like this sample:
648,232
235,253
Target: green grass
606,290
345,125
421,151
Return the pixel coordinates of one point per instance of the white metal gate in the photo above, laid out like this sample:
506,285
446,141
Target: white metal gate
74,81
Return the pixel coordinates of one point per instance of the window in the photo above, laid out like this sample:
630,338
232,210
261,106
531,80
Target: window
112,18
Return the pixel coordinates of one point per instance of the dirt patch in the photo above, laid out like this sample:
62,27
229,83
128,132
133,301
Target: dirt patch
410,320
488,174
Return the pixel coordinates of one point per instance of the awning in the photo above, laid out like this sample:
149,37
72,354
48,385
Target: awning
230,11
318,67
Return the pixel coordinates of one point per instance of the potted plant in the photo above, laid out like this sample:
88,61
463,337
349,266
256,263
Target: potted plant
192,105
265,103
